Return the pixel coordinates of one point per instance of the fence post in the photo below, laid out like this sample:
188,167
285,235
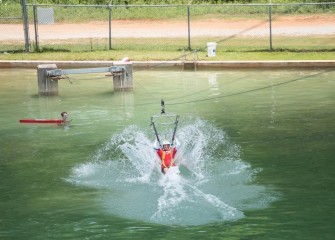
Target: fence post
270,24
188,27
36,28
25,25
110,27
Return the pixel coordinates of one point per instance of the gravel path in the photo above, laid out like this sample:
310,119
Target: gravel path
296,26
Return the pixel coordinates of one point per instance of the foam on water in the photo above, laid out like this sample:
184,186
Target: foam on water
210,184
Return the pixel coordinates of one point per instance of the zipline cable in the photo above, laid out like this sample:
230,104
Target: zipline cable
155,98
247,91
233,94
203,48
184,55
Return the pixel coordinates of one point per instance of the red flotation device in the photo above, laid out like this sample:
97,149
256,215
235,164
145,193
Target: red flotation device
58,121
31,120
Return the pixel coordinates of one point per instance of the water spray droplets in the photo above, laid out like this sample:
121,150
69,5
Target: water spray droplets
210,183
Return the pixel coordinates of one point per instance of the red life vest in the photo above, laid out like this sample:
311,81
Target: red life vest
167,157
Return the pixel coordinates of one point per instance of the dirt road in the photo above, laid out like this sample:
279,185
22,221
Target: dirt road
301,25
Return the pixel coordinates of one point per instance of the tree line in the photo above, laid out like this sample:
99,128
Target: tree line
151,2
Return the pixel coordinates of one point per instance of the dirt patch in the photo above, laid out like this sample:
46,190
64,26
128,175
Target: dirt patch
297,25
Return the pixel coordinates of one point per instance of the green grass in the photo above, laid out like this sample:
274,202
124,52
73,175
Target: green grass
237,48
168,55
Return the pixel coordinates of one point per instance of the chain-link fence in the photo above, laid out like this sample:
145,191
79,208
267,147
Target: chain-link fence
252,27
11,29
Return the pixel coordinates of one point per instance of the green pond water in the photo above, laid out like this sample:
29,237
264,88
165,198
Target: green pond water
256,158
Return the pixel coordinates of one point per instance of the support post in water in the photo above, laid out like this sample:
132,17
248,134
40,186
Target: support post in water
46,85
48,76
124,80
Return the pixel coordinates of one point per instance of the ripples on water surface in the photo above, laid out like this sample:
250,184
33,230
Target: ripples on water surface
255,160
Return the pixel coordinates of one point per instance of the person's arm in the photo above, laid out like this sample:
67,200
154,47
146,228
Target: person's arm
176,142
159,152
174,151
156,145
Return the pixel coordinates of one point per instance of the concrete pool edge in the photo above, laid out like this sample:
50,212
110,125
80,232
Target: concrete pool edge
172,64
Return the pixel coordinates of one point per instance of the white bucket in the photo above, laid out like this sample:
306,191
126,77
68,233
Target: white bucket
211,49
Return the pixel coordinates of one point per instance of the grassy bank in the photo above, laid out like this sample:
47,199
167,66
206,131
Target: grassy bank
293,48
168,55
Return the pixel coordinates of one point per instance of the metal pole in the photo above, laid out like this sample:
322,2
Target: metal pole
270,24
155,131
188,27
175,130
36,28
110,27
25,25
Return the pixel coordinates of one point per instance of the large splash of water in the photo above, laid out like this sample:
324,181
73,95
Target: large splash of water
210,184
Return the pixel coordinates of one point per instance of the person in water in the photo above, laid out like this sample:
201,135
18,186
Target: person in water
166,154
65,119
